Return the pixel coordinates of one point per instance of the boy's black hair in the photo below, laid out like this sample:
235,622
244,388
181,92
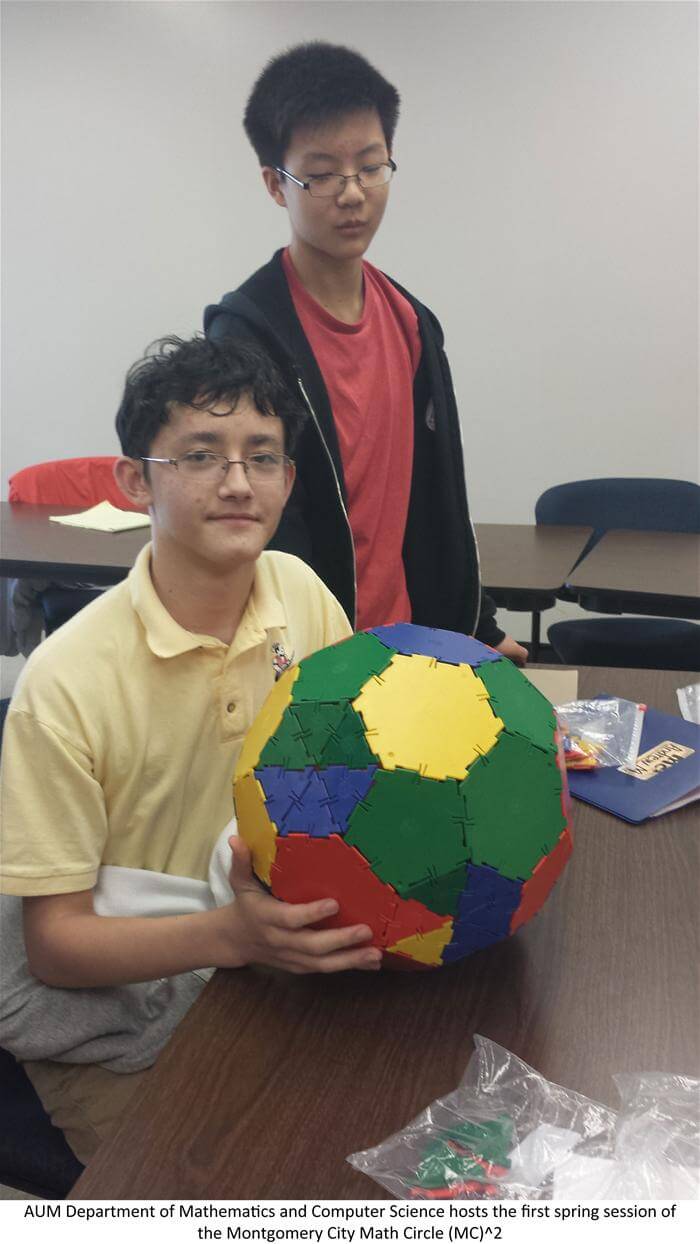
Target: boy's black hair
201,373
309,85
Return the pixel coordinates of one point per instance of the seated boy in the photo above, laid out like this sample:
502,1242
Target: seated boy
122,737
379,507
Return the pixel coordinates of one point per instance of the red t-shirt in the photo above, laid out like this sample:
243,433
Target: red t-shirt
368,369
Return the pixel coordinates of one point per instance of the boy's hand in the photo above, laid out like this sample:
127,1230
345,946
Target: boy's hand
513,650
265,930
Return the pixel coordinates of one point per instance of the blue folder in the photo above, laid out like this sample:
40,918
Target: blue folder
667,773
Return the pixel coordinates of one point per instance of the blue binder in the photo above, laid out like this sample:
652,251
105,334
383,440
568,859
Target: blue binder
667,770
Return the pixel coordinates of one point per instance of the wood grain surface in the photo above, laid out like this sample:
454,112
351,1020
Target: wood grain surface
272,1080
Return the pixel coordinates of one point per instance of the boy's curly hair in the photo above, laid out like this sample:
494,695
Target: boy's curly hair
201,373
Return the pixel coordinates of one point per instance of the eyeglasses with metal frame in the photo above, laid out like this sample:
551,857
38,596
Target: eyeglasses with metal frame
330,185
259,468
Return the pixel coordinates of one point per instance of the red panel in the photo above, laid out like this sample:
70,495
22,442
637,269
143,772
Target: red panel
537,887
307,868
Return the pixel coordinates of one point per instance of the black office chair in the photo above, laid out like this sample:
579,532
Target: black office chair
645,505
58,604
34,1155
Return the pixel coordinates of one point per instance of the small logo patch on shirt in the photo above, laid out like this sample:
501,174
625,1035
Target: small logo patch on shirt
280,660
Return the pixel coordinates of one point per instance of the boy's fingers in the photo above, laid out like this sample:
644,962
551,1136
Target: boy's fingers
298,915
328,941
367,960
291,920
283,915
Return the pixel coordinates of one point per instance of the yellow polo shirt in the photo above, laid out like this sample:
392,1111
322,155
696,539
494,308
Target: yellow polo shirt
124,729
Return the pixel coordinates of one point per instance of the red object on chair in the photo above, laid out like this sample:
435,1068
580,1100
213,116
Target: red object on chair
69,481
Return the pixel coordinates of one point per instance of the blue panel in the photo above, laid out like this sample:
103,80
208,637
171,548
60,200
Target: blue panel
297,801
346,788
488,900
449,646
484,883
466,939
280,785
483,913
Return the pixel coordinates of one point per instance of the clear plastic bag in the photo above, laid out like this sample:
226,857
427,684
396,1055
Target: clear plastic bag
500,1134
689,702
657,1139
509,1132
600,733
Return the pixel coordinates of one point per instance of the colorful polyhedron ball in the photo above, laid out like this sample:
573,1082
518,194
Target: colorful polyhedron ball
415,776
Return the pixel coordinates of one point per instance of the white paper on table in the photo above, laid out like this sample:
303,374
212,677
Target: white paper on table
103,517
542,1151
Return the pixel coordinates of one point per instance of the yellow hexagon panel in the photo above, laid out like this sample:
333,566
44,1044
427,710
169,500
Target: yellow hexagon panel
429,716
425,947
260,832
266,722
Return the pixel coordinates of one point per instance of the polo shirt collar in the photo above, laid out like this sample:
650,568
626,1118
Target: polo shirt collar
165,637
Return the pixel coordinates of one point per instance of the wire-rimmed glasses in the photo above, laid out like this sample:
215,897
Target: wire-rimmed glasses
260,468
330,185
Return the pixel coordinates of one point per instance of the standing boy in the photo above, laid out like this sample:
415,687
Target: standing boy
379,507
122,736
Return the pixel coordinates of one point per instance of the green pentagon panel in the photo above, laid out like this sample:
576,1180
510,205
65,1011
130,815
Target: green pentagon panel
285,747
513,802
345,667
410,827
439,893
522,708
332,734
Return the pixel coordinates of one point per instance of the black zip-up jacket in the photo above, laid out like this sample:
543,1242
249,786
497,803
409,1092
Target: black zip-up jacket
439,550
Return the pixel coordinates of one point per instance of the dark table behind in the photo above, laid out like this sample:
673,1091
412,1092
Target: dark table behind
654,572
32,547
272,1080
525,557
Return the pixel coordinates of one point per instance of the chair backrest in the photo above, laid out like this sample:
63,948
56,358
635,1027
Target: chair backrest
69,481
641,504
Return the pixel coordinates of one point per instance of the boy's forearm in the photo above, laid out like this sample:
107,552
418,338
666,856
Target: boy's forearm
81,949
70,947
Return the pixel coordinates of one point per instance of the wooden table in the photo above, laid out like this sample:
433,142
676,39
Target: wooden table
272,1080
32,547
523,565
645,566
